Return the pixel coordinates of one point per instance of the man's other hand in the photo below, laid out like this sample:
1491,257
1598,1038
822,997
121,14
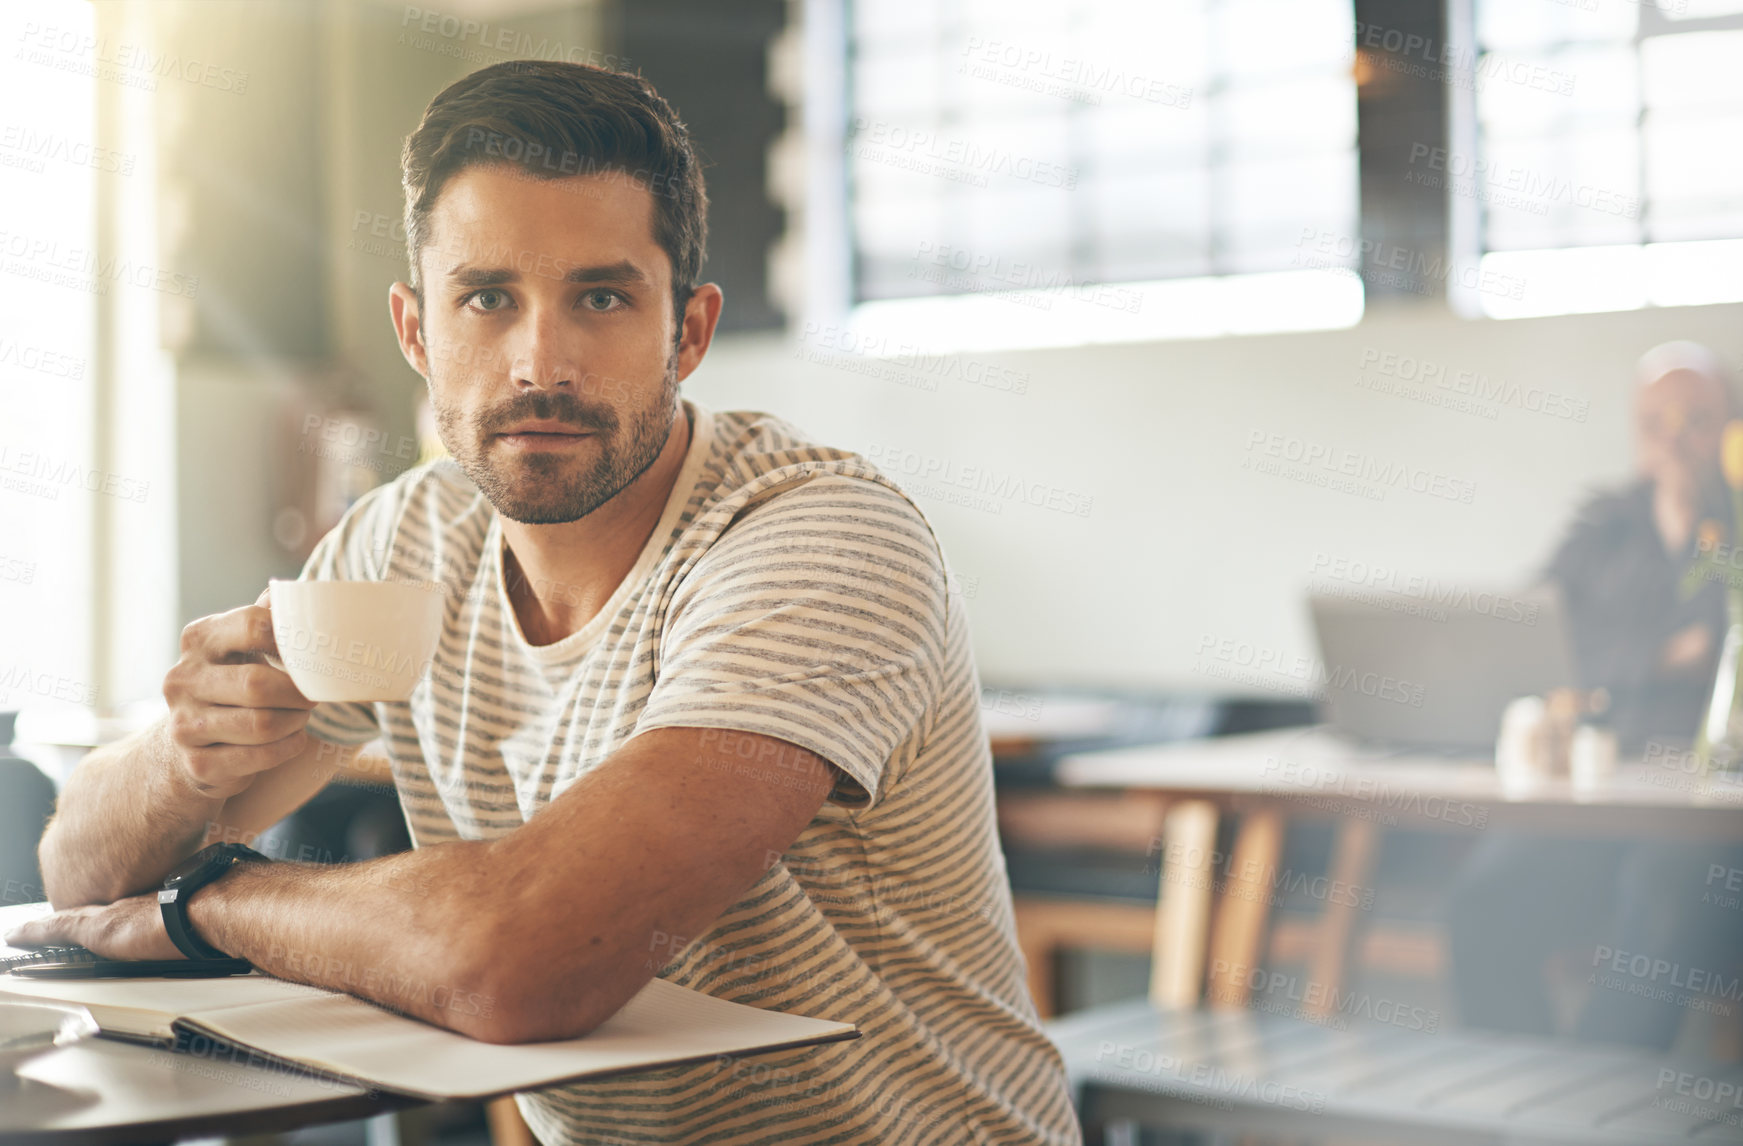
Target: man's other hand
1687,649
130,928
231,716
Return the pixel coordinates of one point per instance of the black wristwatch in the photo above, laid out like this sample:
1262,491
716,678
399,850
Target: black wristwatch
189,876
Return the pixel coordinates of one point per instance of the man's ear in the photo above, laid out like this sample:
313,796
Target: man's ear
408,327
696,327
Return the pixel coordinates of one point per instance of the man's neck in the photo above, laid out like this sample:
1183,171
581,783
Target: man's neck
559,576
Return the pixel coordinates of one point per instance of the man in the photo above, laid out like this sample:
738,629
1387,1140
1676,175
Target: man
1620,567
1519,900
702,706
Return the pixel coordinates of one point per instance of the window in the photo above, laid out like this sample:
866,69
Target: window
1077,171
88,574
49,284
1605,175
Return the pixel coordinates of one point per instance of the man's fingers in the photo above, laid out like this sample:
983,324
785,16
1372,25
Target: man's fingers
249,686
23,935
230,724
49,929
220,765
239,634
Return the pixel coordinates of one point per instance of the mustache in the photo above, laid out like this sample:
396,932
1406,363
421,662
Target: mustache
554,407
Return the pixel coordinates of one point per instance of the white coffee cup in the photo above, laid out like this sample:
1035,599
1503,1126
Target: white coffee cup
356,640
1522,748
1592,760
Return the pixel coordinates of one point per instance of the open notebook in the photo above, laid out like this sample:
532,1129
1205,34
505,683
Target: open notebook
338,1034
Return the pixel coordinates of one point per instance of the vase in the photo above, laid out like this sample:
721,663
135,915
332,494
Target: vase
1719,745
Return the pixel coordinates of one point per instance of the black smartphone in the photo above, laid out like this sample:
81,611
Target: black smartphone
137,969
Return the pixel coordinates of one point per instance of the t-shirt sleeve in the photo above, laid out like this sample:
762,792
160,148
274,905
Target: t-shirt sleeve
817,617
353,550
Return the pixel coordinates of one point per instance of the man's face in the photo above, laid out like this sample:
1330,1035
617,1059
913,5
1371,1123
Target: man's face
548,327
1679,419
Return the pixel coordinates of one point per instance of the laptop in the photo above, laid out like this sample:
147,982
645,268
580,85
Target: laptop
1412,673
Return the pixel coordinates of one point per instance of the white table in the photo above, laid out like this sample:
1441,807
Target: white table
1303,770
1269,776
103,1091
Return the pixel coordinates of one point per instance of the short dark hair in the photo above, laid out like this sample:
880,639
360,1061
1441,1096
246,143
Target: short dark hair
550,119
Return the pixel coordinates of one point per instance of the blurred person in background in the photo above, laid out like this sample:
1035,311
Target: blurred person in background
1619,568
1521,900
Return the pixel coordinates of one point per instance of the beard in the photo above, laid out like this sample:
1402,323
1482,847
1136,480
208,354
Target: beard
550,488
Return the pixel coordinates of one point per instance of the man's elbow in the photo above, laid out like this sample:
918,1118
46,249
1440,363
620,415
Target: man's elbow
522,1015
511,1028
495,998
507,1002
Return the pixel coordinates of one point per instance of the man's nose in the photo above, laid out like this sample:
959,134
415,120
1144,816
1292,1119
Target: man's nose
544,360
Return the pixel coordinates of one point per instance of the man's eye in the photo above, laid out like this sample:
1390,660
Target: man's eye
488,299
602,299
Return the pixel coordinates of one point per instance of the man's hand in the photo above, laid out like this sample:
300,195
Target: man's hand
1687,649
232,717
130,928
228,760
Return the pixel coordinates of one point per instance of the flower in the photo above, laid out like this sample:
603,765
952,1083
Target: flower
1731,453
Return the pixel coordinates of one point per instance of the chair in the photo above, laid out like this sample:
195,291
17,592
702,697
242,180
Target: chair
1193,1055
1184,926
26,802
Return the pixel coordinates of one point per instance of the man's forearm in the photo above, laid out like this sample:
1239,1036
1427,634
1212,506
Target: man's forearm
410,931
122,821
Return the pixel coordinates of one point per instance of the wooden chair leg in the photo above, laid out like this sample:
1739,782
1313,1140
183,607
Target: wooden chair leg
1183,907
1727,1041
1048,926
507,1127
1352,863
1245,908
1039,946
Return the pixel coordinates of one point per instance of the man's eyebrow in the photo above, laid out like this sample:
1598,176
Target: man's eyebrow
621,273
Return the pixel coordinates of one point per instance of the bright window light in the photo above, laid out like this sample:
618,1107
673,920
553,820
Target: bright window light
1694,274
1580,280
1079,316
1003,160
1575,280
1696,9
1623,186
49,284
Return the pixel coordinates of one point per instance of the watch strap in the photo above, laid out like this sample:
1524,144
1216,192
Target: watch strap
200,869
172,905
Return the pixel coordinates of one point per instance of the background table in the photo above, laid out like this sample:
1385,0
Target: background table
1270,776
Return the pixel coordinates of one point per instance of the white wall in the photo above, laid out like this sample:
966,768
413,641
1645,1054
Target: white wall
1183,544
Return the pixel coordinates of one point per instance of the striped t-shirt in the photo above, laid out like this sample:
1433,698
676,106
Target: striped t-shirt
791,590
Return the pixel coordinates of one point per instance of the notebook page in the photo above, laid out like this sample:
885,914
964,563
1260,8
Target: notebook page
147,1006
661,1025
